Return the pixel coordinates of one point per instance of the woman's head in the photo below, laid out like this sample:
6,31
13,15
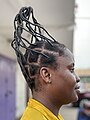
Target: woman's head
47,65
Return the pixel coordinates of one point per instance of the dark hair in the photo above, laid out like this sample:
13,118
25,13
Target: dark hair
41,50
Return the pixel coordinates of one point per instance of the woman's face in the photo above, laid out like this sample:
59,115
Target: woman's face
64,85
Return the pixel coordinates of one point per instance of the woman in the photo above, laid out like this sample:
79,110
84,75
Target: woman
48,68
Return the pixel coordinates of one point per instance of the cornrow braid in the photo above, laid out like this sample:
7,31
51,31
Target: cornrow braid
33,45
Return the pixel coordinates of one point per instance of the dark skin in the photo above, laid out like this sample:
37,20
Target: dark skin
58,86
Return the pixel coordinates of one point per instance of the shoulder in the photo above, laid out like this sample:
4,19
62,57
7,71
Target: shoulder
32,114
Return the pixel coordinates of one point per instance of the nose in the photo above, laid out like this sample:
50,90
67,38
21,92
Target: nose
77,78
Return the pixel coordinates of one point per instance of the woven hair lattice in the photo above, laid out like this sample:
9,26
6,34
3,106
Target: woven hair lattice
27,32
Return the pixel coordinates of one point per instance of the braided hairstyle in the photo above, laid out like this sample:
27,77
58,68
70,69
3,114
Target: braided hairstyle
34,46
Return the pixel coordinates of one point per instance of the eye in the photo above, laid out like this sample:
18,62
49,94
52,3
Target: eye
72,70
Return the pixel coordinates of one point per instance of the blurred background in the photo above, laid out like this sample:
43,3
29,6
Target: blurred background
68,21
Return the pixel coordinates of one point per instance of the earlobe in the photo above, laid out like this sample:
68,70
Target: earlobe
45,74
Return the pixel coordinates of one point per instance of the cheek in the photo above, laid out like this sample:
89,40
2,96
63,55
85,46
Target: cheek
71,82
64,81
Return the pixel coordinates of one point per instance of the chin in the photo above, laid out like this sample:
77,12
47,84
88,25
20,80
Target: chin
75,98
71,99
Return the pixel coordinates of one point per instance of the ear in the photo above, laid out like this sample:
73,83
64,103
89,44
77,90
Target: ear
45,74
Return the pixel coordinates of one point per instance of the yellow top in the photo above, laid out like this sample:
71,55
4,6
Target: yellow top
36,111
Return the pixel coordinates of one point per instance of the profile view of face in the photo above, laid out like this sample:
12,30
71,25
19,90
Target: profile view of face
65,86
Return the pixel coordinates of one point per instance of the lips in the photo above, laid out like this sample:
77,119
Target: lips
77,88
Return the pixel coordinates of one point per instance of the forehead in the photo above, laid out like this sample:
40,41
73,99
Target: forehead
66,59
69,54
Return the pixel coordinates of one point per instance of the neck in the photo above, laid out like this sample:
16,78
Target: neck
52,106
